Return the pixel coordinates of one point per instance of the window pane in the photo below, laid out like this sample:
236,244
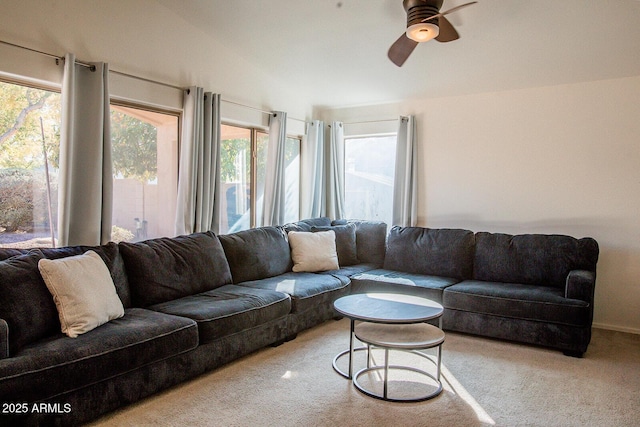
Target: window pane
292,176
238,144
145,171
262,145
235,178
292,180
369,173
28,201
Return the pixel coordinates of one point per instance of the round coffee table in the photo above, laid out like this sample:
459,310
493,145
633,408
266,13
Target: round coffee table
411,338
382,308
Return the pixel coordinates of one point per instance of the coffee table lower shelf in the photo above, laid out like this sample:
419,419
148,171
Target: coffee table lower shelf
407,338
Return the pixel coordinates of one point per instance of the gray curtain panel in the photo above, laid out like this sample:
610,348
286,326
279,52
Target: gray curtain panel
273,212
198,202
405,203
86,178
312,174
335,172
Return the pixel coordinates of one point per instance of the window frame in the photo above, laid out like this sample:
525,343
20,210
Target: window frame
177,114
253,185
367,136
38,85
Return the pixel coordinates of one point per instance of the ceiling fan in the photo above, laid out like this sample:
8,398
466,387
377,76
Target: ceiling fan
424,22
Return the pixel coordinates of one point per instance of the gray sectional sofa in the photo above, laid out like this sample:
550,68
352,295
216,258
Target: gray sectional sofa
193,303
531,288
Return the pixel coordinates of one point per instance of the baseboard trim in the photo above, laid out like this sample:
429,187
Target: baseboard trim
616,328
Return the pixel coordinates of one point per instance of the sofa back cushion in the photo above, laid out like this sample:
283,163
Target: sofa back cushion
165,269
257,253
110,254
371,237
25,302
535,259
83,292
345,242
434,252
6,253
307,224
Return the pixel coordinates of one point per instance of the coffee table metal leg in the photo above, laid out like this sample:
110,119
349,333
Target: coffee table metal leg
439,356
386,371
351,339
348,374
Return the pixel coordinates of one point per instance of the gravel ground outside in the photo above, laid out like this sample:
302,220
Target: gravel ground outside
25,240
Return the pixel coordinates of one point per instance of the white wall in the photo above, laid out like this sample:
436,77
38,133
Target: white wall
144,39
562,159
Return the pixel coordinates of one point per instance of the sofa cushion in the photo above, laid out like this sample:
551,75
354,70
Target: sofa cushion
345,242
25,302
313,252
305,289
518,301
166,268
60,364
351,270
371,238
307,224
6,253
534,259
110,254
83,292
382,280
257,253
228,309
4,339
434,252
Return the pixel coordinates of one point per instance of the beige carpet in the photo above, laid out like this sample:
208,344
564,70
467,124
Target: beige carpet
486,382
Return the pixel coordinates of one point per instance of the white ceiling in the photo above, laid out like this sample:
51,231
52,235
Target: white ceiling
334,52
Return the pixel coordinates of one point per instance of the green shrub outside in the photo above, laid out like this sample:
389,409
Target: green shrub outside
23,199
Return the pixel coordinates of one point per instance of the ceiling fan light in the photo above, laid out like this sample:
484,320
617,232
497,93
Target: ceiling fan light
423,32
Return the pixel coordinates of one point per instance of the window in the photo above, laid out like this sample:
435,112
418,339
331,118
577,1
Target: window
292,180
29,156
242,174
145,172
369,174
145,164
235,178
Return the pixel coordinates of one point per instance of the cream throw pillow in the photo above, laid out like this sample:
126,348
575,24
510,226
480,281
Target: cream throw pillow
82,290
313,251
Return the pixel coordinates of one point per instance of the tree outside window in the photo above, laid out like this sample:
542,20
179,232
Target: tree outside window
27,149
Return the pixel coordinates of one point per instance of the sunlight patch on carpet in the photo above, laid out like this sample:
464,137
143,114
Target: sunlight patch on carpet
289,375
459,389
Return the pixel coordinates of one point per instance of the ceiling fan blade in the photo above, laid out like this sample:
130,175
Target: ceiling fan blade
453,9
401,49
447,32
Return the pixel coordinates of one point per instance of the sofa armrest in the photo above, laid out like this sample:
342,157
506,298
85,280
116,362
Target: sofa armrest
4,339
581,285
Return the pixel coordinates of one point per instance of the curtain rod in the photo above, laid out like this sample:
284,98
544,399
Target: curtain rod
371,121
50,55
91,66
258,109
85,64
147,80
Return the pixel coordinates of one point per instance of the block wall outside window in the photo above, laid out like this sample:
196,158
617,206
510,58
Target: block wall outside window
369,176
145,171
